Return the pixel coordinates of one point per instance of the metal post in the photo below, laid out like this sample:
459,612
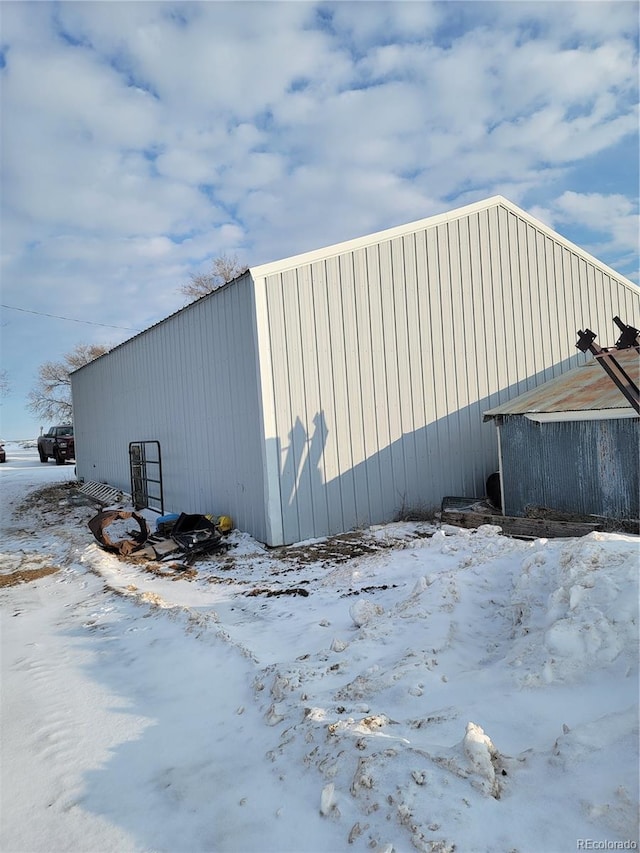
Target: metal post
629,337
607,361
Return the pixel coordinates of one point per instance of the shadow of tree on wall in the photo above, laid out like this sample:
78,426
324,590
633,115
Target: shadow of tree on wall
302,473
452,455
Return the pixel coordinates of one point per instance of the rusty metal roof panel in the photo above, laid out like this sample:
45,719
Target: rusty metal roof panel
585,388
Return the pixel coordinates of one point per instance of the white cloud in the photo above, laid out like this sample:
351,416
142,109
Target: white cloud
614,217
361,26
207,58
139,139
567,21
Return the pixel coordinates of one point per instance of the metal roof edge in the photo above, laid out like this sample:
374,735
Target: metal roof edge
388,234
428,222
556,235
579,377
370,239
582,415
184,308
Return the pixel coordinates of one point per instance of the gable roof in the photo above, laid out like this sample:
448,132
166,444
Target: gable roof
262,270
586,388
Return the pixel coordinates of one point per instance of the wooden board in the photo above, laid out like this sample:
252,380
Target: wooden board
530,528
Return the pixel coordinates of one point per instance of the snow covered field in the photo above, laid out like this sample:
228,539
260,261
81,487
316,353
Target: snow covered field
408,688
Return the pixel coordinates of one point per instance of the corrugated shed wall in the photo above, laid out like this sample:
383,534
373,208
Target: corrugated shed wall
191,383
589,467
385,357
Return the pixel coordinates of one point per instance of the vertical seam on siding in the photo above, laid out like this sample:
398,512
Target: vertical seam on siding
502,308
292,448
451,405
474,317
552,303
402,381
567,281
398,400
384,358
412,367
456,362
363,432
487,309
492,278
529,292
347,384
514,324
428,262
321,403
268,485
561,296
555,324
373,369
544,299
469,396
442,334
333,388
305,404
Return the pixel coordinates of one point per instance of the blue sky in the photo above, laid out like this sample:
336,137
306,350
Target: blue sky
140,140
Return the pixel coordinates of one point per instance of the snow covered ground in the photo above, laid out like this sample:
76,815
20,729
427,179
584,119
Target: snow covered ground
406,688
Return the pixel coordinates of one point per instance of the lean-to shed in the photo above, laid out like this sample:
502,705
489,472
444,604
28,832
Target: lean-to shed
345,386
572,444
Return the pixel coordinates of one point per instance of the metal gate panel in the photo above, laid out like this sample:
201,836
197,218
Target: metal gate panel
145,464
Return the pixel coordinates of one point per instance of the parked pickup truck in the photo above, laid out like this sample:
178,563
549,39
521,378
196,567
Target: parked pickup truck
57,444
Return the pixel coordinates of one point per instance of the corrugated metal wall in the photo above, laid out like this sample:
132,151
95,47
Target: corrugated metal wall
385,357
589,467
191,383
344,388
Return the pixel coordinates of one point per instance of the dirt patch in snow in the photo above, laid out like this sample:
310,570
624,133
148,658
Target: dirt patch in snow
51,505
254,569
25,576
294,590
173,571
261,571
337,549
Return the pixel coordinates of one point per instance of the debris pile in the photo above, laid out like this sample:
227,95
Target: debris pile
107,518
185,535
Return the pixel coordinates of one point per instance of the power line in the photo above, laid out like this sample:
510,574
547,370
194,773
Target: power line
71,319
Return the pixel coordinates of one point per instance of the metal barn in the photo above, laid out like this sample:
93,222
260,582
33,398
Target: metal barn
572,445
346,386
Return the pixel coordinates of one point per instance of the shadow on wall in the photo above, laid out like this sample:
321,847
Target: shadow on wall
303,458
453,455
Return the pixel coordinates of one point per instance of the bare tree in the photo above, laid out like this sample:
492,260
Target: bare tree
51,397
224,268
4,383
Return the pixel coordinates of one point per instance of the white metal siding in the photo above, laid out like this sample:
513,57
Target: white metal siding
385,356
191,383
341,387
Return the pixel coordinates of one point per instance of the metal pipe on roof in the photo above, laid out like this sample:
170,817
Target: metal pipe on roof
609,364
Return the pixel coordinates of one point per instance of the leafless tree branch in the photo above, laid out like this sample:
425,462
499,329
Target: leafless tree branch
224,268
50,399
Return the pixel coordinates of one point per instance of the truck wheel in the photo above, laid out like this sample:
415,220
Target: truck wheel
57,456
43,456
